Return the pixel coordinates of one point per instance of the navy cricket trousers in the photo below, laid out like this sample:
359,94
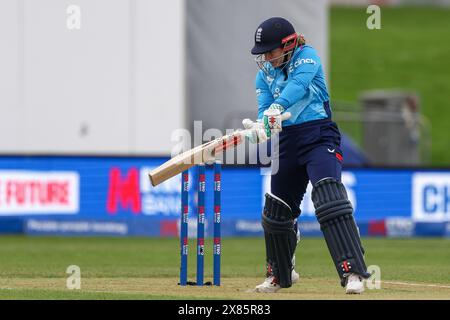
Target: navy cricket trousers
307,152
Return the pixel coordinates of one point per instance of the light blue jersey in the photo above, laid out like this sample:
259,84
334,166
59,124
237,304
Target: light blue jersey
304,93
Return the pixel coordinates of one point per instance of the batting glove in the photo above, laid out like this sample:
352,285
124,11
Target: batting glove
272,119
256,132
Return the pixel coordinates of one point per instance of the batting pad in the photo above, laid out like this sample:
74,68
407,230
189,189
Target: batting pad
281,239
335,215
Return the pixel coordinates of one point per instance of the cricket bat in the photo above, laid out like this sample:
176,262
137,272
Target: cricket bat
204,153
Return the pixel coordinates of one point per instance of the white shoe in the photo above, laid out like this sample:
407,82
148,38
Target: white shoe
295,276
270,286
355,284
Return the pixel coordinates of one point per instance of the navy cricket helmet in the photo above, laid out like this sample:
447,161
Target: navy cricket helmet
270,34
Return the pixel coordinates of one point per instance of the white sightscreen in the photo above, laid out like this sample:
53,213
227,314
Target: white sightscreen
115,85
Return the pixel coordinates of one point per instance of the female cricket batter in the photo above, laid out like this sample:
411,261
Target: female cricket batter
291,79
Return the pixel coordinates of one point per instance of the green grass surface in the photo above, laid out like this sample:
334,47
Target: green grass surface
411,51
146,268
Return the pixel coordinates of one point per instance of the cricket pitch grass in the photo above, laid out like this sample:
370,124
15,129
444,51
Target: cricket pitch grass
148,268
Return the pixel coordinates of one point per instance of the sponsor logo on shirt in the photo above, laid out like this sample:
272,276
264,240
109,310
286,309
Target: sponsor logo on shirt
300,61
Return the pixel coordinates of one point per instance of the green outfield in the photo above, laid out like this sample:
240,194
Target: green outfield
410,52
147,268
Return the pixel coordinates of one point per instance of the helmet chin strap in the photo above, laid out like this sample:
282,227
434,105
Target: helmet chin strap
286,59
262,63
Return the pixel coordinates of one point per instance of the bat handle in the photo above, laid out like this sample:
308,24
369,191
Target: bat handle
285,116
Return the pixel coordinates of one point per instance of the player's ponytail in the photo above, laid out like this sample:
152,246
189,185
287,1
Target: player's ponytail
300,40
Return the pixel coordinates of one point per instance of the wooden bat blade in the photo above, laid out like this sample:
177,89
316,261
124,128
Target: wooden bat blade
180,163
201,154
169,170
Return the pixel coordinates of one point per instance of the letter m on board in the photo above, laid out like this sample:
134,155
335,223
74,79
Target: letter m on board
123,191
